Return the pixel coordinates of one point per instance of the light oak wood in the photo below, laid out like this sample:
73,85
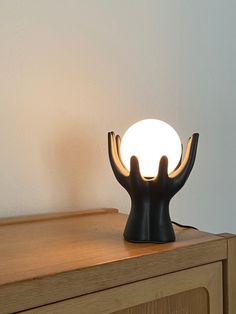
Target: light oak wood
74,257
57,215
123,297
57,255
88,240
229,267
194,301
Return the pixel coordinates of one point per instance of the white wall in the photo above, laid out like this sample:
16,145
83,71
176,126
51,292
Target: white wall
70,71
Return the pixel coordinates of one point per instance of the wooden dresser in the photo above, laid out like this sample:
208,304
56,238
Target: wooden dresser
79,263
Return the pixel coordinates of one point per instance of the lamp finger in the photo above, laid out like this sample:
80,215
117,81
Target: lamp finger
182,173
162,176
120,175
135,174
180,160
118,142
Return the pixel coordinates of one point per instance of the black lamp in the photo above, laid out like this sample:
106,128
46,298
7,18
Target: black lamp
148,164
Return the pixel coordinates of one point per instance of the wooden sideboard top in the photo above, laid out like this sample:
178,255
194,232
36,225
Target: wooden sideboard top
37,247
71,254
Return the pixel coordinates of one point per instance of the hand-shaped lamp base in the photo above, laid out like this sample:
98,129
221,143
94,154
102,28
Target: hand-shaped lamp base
149,219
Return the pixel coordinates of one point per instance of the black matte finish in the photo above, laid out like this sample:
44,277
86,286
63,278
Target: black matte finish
149,219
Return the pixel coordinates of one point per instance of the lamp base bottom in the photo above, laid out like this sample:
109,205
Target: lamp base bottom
149,226
149,241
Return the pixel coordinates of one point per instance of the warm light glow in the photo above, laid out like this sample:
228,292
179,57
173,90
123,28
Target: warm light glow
149,140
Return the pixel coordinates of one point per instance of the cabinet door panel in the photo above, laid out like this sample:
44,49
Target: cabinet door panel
189,302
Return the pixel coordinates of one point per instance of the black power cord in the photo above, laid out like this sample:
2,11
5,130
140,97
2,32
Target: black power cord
183,226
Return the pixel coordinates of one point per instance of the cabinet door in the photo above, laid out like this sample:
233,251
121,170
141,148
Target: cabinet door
192,291
194,301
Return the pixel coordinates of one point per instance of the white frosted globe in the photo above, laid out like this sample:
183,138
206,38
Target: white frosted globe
149,140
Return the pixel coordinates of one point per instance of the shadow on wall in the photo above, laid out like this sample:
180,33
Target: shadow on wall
71,162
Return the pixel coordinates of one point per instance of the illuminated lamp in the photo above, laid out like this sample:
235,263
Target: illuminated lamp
148,164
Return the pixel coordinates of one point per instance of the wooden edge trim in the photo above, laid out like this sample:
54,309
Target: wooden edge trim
229,274
132,294
58,215
226,235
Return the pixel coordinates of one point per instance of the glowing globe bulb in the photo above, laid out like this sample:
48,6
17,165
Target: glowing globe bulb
149,140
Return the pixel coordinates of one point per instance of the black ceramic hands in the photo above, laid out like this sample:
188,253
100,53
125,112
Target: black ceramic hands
149,219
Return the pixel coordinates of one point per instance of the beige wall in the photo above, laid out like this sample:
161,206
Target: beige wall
70,71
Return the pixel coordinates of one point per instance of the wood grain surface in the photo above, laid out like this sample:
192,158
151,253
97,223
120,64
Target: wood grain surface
87,253
54,216
123,297
229,272
193,301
